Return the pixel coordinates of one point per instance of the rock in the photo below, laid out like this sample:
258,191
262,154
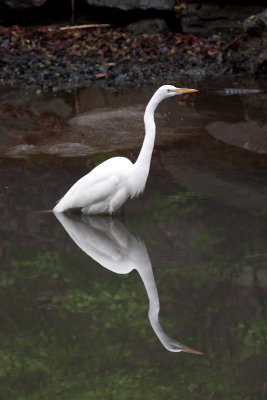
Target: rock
133,4
200,16
148,26
256,24
252,56
24,3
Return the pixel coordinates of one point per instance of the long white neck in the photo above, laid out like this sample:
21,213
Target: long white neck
144,157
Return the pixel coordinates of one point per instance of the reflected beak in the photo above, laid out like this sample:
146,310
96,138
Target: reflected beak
184,90
189,350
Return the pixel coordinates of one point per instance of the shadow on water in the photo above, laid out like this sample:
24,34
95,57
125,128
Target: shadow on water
70,329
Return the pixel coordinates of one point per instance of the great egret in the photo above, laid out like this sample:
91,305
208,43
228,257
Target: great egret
108,242
110,184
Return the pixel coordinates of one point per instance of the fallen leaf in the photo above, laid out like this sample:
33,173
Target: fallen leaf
100,75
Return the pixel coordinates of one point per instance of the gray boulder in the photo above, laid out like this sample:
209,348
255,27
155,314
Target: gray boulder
24,3
252,55
132,4
256,24
200,16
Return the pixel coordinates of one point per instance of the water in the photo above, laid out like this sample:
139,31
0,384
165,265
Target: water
94,307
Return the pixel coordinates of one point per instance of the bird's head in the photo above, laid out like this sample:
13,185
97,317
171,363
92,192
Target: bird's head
169,91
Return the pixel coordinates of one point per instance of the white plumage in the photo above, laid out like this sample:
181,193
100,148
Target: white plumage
110,184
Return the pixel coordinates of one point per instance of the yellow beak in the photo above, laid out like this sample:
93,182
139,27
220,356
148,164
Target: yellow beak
184,90
189,350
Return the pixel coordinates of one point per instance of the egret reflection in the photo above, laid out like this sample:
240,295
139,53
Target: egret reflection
109,242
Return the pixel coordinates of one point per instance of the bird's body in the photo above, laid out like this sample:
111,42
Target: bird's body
110,184
105,188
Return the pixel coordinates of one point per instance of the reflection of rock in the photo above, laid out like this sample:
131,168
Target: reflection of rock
30,119
204,180
19,125
247,135
131,4
36,104
27,120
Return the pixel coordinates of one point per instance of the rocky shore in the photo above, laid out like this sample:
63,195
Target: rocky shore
57,56
44,58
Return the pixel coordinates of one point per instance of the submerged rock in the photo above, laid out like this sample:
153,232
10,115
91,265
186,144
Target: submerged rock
108,128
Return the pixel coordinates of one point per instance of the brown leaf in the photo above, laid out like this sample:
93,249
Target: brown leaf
211,53
100,75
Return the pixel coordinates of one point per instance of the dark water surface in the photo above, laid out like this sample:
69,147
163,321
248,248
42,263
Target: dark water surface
95,308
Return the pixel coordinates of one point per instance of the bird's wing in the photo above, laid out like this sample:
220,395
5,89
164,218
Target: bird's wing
88,191
97,186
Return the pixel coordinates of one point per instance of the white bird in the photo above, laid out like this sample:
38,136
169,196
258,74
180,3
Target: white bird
110,184
109,242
